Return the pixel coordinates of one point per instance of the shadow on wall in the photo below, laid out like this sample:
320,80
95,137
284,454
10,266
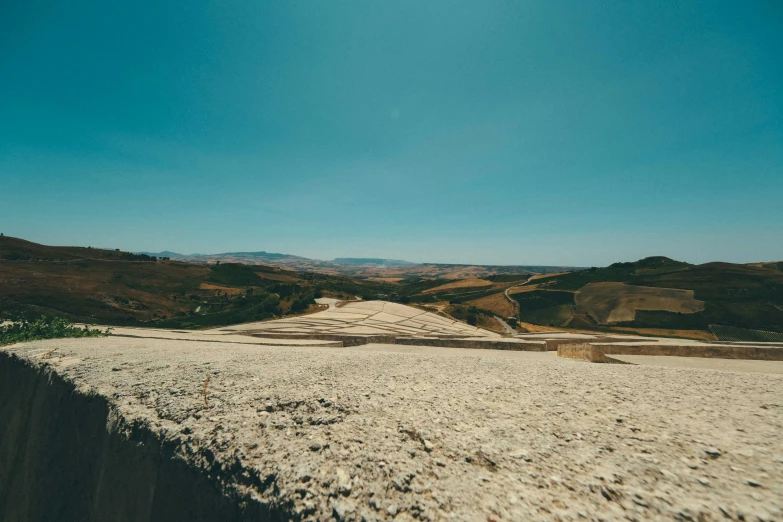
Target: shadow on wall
68,456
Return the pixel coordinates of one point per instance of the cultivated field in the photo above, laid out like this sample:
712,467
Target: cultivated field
617,302
497,303
522,289
545,276
217,288
461,284
392,280
276,276
731,333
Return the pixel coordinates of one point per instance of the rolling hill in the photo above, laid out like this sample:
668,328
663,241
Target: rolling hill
168,289
115,287
655,295
659,293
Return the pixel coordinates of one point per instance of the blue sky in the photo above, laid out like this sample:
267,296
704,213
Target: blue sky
577,133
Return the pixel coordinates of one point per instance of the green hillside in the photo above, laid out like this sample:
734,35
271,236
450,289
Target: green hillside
740,296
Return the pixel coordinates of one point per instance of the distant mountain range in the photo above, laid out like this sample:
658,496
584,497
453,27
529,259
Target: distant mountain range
213,257
371,261
272,256
361,266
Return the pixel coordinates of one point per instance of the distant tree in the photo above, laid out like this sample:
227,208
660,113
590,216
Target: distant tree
458,312
301,304
472,316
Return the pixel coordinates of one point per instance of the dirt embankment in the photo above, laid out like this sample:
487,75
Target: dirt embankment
66,454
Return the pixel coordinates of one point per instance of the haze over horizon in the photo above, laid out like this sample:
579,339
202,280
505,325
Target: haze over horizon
530,133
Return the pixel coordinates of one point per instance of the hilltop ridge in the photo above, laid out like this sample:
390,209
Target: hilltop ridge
656,295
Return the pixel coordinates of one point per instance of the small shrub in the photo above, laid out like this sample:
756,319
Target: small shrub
472,316
301,304
45,328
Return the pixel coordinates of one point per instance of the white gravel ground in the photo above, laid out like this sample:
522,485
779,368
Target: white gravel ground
382,432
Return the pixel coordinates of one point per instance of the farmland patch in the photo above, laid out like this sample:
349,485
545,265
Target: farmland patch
464,283
497,303
732,333
611,302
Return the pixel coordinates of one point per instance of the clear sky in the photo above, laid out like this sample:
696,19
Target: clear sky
547,132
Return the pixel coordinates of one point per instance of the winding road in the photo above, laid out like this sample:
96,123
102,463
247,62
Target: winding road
513,301
506,327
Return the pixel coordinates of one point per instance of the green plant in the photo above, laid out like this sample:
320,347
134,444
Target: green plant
45,328
301,304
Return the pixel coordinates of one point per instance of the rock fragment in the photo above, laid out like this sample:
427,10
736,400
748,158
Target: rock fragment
713,453
342,508
343,482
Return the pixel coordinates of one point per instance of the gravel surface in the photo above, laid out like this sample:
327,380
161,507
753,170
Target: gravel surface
446,433
736,365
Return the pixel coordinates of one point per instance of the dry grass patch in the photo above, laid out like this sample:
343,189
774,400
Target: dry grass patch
225,289
522,289
463,283
498,303
537,328
489,323
436,308
544,276
617,302
392,280
283,278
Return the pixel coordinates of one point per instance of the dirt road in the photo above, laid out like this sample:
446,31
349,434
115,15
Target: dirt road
511,299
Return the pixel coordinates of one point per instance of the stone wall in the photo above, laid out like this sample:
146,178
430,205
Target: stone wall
526,346
597,352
